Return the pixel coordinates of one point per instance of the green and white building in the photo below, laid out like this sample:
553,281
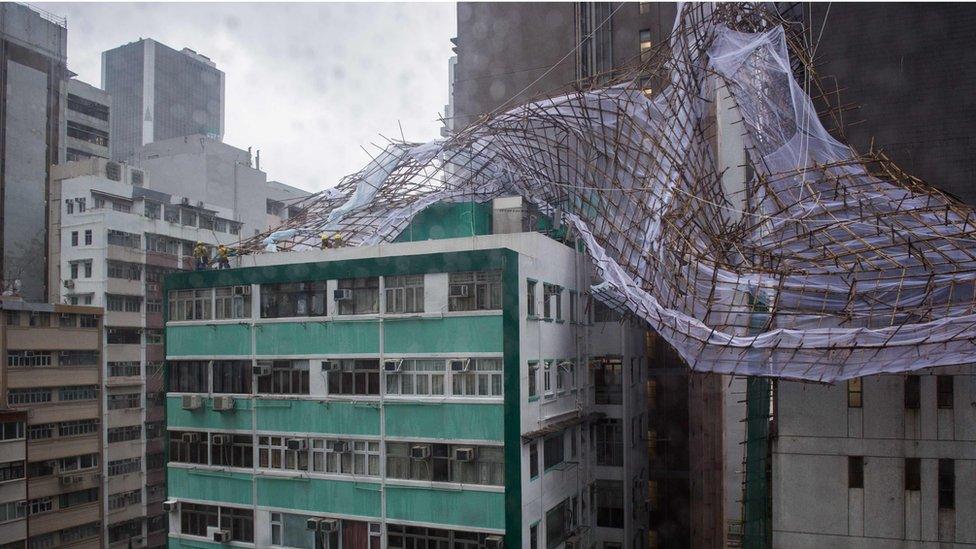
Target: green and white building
459,392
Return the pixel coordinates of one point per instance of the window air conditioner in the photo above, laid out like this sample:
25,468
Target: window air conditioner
221,440
190,438
242,290
297,444
464,454
312,524
171,505
392,366
221,536
340,446
262,369
330,365
223,403
191,402
494,542
458,290
329,525
420,452
460,364
342,294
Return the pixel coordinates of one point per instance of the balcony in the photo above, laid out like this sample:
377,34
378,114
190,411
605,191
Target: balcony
124,253
124,286
54,484
64,518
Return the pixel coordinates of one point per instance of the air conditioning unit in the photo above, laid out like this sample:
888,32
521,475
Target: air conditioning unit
297,444
67,480
69,283
342,294
392,366
464,454
221,440
421,451
190,438
191,402
495,542
312,524
242,290
330,365
171,505
223,403
221,536
460,364
329,525
262,368
458,290
340,446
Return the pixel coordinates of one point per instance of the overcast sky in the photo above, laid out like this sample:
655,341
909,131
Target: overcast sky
307,84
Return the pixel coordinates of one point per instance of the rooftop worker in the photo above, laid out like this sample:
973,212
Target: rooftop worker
222,253
335,241
201,255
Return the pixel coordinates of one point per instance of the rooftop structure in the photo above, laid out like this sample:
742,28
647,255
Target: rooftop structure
86,130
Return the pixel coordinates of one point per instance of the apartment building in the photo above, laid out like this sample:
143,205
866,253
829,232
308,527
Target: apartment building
86,121
113,241
52,464
463,392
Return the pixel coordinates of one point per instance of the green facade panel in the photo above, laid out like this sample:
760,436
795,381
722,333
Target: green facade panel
453,507
456,334
321,496
178,543
313,416
317,338
208,339
206,417
216,486
448,220
445,420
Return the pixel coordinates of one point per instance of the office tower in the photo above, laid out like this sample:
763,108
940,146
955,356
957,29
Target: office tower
161,93
51,460
86,128
33,46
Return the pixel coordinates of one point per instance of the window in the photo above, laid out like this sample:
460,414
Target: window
947,484
39,320
483,378
913,393
553,449
399,537
195,518
11,470
944,393
69,206
609,504
37,469
533,379
79,392
125,530
126,303
854,393
123,401
607,380
88,237
40,505
123,434
573,307
552,304
88,321
913,474
286,377
534,536
28,358
74,238
855,472
486,467
533,459
231,450
355,377
273,453
124,270
346,457
530,298
547,376
80,497
152,210
556,524
418,377
80,532
293,299
13,318
33,395
232,302
191,304
124,369
10,430
78,427
125,466
124,499
475,291
78,358
404,294
77,463
154,306
188,447
67,320
154,336
121,238
644,37
123,336
12,510
188,376
364,296
609,442
232,376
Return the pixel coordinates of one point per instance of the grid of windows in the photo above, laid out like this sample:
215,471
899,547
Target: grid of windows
78,497
273,453
11,470
124,270
77,463
475,291
191,304
12,510
124,499
123,303
78,392
79,427
404,294
123,401
480,464
358,296
124,466
195,518
122,434
32,395
355,377
28,358
232,302
346,457
285,377
294,299
124,369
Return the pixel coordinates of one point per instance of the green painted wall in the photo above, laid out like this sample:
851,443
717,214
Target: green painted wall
457,508
208,485
448,220
206,417
477,334
321,496
445,420
177,543
212,339
352,418
317,337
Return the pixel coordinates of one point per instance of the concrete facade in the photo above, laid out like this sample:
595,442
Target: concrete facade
52,460
33,50
86,130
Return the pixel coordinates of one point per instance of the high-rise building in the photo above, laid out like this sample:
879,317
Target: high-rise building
33,51
113,241
160,93
51,461
86,121
463,392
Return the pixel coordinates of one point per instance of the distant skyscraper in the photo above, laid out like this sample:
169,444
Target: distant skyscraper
161,93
